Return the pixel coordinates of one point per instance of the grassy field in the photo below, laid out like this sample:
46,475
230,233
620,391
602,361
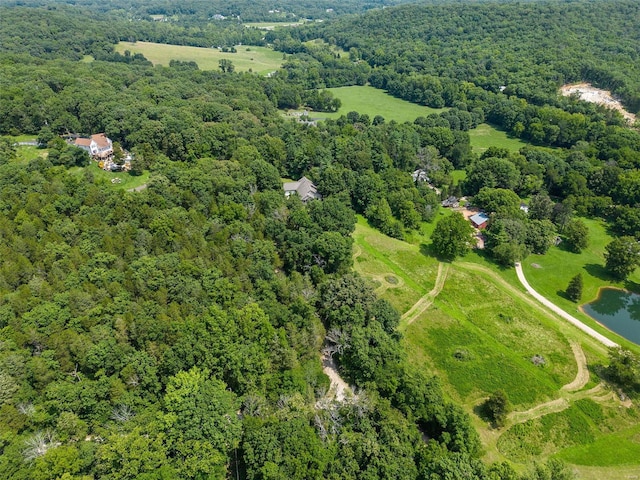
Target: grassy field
127,181
373,101
475,326
479,335
398,270
261,60
333,48
549,274
485,136
621,448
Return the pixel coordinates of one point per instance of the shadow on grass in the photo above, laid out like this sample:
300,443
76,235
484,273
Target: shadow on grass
599,272
427,251
632,286
484,414
563,294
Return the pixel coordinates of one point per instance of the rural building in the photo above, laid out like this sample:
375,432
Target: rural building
420,176
451,202
479,220
303,188
99,145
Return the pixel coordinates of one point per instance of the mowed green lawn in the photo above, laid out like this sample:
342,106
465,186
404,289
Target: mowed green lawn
261,60
126,182
373,101
550,274
485,136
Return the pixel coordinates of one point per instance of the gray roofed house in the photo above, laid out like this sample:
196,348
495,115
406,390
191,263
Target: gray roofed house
479,220
303,188
451,202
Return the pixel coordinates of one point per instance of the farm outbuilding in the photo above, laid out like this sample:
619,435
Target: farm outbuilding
479,220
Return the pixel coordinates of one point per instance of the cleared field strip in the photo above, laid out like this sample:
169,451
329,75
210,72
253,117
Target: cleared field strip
261,60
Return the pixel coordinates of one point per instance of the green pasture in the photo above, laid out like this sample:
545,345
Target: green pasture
333,48
373,101
620,448
26,153
261,60
550,274
485,136
458,176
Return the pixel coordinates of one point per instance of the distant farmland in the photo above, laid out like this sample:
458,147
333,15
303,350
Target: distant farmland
261,60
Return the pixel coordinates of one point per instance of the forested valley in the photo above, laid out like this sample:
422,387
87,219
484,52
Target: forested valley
176,332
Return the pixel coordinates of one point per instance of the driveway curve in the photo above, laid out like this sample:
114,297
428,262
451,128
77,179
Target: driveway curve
553,307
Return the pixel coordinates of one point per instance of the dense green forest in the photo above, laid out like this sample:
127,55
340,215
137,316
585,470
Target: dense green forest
199,11
530,49
176,332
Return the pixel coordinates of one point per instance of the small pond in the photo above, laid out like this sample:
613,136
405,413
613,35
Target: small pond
617,310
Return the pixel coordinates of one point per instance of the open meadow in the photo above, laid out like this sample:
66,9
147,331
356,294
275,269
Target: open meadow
485,136
121,180
373,101
473,326
261,60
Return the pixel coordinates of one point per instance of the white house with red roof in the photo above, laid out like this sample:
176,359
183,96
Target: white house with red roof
99,145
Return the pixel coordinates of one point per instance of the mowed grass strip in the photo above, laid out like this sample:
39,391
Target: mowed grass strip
261,60
485,136
481,339
550,274
373,101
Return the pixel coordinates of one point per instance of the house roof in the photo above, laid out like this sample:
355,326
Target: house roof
101,140
479,218
83,142
304,187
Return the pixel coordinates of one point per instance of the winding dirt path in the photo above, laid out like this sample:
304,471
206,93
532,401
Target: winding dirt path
425,302
554,406
582,377
554,308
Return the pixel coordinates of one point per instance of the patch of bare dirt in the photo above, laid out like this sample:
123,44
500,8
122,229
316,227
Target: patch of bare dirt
339,388
592,94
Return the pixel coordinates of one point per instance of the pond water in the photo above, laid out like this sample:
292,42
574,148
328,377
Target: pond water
618,311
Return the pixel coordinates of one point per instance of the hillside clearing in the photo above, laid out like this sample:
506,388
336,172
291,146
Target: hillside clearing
261,60
373,101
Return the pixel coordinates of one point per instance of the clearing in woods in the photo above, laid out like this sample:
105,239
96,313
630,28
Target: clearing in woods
485,136
261,60
373,101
